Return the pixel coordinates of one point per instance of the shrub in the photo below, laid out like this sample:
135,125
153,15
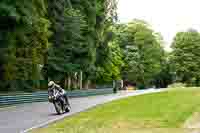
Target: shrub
177,85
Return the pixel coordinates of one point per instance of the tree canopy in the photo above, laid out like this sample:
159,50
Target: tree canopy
63,36
142,52
185,57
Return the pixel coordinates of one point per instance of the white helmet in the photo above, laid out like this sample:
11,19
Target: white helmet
51,83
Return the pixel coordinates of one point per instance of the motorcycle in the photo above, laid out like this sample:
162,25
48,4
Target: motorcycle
60,103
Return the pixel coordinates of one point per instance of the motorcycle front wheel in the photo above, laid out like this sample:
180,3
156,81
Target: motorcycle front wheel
67,109
58,107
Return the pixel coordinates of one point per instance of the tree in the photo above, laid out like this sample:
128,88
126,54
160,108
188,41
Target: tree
63,36
142,52
166,75
185,56
111,63
25,31
108,56
78,34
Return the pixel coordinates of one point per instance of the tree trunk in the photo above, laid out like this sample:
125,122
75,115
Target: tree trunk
69,82
87,84
81,78
65,85
74,81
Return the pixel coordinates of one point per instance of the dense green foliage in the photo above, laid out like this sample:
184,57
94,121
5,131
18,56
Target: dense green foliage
142,52
185,57
166,76
80,36
24,37
63,36
61,40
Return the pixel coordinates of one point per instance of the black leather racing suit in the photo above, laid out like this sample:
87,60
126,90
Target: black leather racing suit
61,91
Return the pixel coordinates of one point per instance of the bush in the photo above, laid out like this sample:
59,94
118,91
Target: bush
4,86
177,85
141,87
43,84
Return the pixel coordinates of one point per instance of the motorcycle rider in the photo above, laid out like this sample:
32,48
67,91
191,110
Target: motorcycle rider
52,85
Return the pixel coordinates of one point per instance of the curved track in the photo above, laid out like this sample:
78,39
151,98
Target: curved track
23,118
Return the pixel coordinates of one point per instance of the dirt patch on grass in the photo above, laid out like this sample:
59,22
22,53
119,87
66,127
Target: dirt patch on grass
193,121
136,124
122,125
155,130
